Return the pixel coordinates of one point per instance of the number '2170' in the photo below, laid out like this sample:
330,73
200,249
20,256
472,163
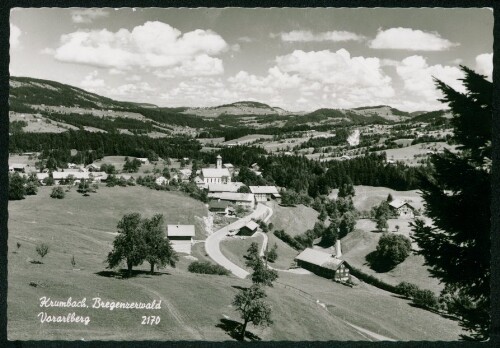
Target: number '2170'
150,320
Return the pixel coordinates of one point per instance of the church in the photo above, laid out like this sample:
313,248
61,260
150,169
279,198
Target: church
218,175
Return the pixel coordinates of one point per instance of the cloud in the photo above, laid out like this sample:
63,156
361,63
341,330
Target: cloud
132,91
417,77
245,39
309,36
151,45
87,15
91,82
484,64
323,78
15,34
133,78
201,65
410,39
200,91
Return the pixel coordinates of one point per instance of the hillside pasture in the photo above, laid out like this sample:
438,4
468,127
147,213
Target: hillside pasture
407,154
294,220
194,307
362,241
235,248
367,197
247,139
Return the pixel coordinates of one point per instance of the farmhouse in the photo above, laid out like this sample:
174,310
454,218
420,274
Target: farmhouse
17,167
323,264
93,168
181,237
264,193
249,229
246,200
220,207
402,209
219,188
143,160
216,175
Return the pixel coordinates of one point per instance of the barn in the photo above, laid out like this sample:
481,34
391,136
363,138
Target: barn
323,264
249,229
263,193
181,237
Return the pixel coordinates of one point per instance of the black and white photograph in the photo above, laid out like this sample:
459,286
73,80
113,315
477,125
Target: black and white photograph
249,174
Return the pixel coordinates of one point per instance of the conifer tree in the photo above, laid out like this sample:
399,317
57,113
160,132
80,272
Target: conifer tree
457,198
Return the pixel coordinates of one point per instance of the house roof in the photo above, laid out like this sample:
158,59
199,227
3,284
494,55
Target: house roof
65,175
319,258
397,203
236,196
264,189
229,187
251,225
41,176
215,172
18,165
180,231
218,204
161,179
228,165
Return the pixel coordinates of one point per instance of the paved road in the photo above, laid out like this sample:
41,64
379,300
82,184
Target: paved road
212,242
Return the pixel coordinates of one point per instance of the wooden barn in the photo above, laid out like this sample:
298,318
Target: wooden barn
181,237
249,229
323,264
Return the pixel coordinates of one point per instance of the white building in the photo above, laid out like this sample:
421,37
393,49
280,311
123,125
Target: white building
161,181
264,193
219,188
246,200
402,208
218,175
181,237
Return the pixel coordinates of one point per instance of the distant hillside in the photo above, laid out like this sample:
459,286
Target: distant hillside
238,108
433,116
31,91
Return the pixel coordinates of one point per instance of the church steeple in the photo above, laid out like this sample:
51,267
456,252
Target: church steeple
219,162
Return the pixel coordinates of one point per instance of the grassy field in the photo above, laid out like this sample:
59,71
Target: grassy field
294,220
406,154
194,307
359,243
235,248
369,196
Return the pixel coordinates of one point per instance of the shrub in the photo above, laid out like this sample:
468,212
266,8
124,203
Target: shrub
272,255
207,268
425,299
285,237
57,192
393,248
42,249
407,289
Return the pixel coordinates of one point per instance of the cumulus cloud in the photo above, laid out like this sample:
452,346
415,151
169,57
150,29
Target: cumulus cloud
87,15
151,45
91,82
484,64
132,91
245,39
201,65
309,36
418,81
323,78
15,34
410,39
200,91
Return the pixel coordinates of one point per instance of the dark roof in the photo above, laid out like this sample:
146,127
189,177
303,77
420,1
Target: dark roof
213,204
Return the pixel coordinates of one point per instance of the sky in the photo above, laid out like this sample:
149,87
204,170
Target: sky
296,59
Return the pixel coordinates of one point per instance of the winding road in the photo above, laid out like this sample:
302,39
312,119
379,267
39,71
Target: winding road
212,243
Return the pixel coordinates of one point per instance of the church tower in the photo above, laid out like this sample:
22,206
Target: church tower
219,162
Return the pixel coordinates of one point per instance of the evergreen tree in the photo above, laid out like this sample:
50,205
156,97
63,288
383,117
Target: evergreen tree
456,248
16,187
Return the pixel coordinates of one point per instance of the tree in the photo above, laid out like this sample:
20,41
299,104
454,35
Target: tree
382,224
159,250
347,224
389,198
57,192
393,248
83,187
42,249
252,307
129,245
252,255
17,190
459,205
262,274
346,189
31,184
330,234
272,255
49,181
166,172
243,189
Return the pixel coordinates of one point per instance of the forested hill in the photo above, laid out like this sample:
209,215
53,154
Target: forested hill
31,91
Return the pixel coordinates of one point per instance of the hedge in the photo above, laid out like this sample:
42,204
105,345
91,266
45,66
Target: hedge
207,268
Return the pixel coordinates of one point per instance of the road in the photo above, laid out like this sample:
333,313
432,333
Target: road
212,243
